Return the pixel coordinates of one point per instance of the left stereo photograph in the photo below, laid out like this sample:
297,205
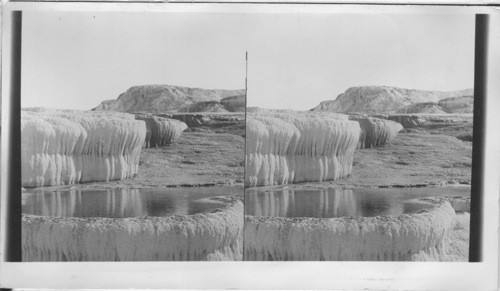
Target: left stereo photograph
132,136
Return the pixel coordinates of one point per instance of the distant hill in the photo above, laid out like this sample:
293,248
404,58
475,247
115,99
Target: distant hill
206,106
235,103
427,107
163,98
462,104
228,104
389,100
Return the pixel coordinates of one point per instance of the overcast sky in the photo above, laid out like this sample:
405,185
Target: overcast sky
77,60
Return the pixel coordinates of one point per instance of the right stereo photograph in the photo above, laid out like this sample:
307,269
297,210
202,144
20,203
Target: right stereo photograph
359,137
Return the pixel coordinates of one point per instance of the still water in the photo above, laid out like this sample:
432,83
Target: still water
119,203
328,203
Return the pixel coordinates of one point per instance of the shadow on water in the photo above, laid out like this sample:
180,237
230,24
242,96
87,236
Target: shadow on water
329,203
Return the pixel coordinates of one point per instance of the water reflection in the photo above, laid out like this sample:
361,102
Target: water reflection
118,203
328,203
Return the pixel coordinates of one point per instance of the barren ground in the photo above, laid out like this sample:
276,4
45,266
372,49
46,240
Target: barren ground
413,159
197,158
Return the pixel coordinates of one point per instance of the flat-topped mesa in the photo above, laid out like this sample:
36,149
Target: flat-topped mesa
63,147
375,132
163,98
284,148
161,131
390,100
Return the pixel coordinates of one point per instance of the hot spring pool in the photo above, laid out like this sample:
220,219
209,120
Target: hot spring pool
329,203
125,202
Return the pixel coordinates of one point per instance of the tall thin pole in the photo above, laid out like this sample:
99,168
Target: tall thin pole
245,151
12,210
477,188
246,74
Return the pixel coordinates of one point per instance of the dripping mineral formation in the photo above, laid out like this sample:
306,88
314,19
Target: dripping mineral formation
67,147
165,98
287,148
375,132
415,237
215,235
161,131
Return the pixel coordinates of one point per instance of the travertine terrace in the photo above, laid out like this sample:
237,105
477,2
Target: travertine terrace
409,237
67,147
375,132
214,235
161,131
287,148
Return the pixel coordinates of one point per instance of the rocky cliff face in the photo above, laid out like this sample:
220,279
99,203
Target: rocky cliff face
163,98
385,100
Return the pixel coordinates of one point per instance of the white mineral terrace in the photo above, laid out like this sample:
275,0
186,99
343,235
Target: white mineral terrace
214,235
284,148
376,132
408,237
67,147
161,131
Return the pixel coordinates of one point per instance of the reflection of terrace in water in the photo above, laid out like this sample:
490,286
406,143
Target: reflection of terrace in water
328,203
116,203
